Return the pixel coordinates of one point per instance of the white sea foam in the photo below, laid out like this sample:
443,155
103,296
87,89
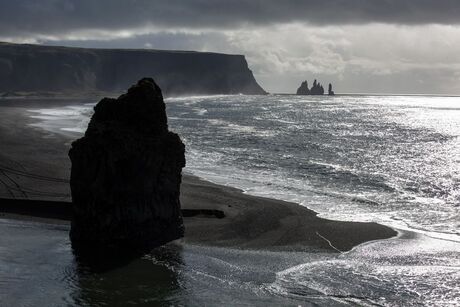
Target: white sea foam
391,272
73,119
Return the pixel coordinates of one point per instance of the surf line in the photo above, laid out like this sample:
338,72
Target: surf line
328,242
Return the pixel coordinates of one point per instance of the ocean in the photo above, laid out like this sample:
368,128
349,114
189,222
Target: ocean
393,160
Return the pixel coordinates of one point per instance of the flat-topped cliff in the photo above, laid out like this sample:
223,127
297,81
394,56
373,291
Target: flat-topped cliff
37,68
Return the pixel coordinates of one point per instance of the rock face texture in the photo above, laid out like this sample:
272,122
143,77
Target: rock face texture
126,175
303,89
34,68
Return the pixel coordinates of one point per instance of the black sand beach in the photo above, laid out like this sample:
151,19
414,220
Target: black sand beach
34,165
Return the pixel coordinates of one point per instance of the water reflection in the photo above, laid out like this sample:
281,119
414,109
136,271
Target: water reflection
99,259
151,280
38,268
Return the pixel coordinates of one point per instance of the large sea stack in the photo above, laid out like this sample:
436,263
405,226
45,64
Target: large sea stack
330,92
317,89
303,89
126,175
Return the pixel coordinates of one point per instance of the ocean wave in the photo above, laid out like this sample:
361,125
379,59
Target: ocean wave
390,272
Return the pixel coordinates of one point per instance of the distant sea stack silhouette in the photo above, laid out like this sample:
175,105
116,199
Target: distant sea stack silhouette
126,176
52,69
316,89
303,89
330,92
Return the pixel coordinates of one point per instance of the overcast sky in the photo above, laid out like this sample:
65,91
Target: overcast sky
376,46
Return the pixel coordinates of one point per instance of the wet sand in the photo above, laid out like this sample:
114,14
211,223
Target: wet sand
34,165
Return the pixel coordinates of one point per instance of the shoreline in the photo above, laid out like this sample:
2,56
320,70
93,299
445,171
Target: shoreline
253,222
250,222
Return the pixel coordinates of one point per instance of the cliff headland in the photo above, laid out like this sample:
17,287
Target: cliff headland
49,69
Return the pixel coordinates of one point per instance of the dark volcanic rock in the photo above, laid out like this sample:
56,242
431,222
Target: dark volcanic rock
330,92
303,89
317,89
38,68
126,175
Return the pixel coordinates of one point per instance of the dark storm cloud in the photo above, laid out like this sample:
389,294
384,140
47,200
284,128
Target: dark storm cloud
20,17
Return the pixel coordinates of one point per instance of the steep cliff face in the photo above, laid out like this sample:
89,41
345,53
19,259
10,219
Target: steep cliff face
46,68
126,175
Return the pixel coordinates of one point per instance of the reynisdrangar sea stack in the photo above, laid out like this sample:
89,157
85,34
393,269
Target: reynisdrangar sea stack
126,175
